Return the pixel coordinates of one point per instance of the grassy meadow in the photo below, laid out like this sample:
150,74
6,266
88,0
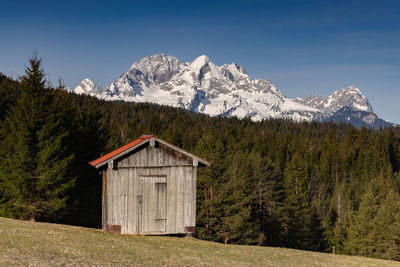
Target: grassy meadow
43,244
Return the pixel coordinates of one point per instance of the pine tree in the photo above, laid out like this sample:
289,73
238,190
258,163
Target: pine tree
337,224
375,230
34,157
387,224
235,199
297,216
268,199
207,184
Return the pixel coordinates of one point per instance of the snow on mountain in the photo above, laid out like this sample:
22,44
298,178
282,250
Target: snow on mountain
226,90
348,97
204,87
67,89
87,87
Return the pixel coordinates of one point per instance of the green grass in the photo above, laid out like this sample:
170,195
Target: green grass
41,244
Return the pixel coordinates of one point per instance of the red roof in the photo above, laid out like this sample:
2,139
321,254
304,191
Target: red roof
96,162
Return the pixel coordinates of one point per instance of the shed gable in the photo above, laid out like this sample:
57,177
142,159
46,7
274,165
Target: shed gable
153,156
145,141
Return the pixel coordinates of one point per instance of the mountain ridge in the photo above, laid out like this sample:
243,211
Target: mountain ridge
225,90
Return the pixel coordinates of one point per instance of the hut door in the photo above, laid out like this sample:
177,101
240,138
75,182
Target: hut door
153,204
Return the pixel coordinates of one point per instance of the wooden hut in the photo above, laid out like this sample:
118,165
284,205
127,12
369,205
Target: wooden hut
149,187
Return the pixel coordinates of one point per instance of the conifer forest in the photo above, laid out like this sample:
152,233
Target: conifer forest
308,185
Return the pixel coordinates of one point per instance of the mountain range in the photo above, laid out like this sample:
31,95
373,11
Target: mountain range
227,90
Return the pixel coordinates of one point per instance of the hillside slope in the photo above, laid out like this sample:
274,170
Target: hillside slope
41,244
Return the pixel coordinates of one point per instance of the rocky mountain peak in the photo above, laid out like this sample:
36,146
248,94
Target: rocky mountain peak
204,72
87,87
348,97
234,71
158,68
199,62
352,88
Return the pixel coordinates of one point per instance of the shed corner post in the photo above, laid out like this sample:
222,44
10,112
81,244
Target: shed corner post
104,209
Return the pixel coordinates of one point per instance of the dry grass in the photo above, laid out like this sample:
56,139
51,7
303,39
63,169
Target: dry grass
43,244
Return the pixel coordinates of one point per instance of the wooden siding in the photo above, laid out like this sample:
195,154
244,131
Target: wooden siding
132,199
104,174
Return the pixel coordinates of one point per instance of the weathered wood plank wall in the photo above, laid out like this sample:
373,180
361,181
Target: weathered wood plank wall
135,178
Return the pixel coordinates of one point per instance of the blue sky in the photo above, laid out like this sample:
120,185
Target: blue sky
303,47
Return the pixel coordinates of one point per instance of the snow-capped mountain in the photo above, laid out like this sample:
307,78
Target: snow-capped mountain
348,97
226,90
201,86
87,87
67,89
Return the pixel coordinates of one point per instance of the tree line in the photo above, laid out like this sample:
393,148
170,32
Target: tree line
305,185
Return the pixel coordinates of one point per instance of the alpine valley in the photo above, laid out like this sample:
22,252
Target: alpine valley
227,90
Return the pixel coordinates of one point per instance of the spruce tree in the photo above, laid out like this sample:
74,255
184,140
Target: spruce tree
297,214
235,202
338,221
268,198
387,224
208,179
34,156
375,230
